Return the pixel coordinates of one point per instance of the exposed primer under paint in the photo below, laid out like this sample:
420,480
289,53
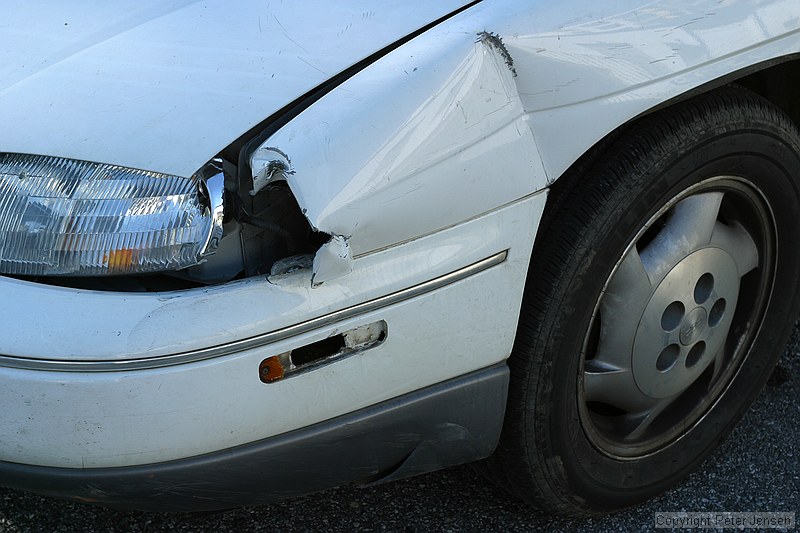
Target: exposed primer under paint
496,42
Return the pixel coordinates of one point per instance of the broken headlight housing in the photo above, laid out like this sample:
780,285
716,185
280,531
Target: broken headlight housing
62,217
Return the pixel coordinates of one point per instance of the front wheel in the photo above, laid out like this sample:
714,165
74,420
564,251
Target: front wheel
663,286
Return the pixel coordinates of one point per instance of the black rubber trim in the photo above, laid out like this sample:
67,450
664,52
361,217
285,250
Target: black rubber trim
450,423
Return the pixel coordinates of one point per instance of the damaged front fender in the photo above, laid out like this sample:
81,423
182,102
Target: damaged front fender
428,136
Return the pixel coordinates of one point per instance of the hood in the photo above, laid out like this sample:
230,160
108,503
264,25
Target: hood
165,85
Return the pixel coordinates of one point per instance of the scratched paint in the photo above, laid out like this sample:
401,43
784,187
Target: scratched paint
454,144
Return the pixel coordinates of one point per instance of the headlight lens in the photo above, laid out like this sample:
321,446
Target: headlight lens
60,217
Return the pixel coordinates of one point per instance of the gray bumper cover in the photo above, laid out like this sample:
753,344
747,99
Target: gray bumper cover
446,424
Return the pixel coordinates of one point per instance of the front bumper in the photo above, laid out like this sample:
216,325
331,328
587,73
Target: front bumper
446,424
151,419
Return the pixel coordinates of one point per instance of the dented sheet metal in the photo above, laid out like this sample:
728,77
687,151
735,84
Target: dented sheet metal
269,164
333,260
499,101
454,144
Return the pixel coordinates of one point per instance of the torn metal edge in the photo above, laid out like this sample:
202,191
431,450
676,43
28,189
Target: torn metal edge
269,164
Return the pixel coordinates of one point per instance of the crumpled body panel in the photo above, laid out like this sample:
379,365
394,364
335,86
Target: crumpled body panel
498,101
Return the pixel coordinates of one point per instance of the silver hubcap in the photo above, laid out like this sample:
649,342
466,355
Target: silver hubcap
666,319
676,341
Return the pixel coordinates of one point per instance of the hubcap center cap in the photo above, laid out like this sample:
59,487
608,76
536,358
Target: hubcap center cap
694,326
684,325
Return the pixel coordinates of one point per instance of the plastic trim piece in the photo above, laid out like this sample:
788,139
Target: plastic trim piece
259,340
452,422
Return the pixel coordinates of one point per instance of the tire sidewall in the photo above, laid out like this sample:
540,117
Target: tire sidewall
755,152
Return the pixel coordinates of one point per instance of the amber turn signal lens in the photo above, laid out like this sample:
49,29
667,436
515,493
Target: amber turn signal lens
270,369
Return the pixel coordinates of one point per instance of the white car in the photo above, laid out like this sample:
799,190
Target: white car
251,250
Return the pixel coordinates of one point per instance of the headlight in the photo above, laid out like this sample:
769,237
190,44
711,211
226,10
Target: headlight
60,217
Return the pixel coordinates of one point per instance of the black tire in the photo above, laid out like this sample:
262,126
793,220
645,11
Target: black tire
567,444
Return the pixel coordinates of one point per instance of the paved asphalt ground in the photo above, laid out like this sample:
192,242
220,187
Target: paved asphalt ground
756,469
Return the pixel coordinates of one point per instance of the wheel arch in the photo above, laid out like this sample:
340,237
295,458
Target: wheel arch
777,80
